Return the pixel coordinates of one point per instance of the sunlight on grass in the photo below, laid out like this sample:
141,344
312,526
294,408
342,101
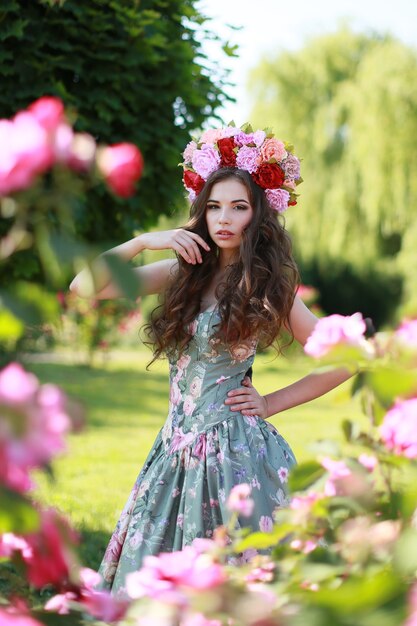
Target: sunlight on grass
126,406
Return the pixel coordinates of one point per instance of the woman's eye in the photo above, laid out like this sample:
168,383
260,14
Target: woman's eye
241,207
212,206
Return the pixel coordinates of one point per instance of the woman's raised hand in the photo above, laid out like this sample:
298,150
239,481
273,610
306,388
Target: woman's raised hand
182,241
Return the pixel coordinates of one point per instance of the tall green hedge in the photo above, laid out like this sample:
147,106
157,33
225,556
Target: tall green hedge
129,70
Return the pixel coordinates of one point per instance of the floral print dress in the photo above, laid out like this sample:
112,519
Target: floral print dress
202,451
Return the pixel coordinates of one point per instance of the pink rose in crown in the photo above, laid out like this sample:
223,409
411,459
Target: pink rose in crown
273,149
190,148
334,330
205,160
121,165
291,167
399,428
247,159
278,199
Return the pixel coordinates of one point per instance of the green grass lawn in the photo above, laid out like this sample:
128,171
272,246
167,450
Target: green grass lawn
126,406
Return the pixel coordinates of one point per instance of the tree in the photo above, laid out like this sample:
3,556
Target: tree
130,71
349,103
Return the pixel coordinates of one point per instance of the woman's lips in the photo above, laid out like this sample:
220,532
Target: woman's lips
224,234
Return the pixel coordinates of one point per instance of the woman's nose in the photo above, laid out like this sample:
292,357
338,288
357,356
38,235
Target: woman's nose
224,217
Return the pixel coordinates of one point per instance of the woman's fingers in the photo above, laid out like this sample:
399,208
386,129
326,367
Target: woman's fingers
189,242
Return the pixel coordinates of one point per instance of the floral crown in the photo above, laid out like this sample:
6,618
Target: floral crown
269,161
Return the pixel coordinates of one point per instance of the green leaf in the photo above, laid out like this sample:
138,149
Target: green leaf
17,514
347,428
389,383
405,553
264,540
360,593
304,475
11,328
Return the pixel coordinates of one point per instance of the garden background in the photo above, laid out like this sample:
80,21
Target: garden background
147,73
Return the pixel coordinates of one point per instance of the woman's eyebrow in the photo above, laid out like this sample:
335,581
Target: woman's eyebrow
232,201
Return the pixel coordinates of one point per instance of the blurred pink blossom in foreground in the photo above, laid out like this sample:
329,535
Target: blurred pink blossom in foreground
333,330
100,604
121,166
407,333
35,139
399,428
239,500
34,420
164,577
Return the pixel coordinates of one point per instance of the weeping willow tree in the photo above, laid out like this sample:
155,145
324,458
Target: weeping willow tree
348,102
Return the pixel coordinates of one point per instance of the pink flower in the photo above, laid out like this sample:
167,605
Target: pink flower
26,152
399,428
175,394
180,439
81,152
10,617
266,523
195,387
211,135
189,405
121,165
407,333
48,111
278,199
184,361
247,159
198,619
291,167
338,470
333,330
243,139
205,160
368,461
36,421
273,149
190,148
283,474
10,543
239,501
51,557
199,449
222,379
162,577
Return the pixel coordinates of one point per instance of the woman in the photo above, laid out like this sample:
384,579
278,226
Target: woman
231,288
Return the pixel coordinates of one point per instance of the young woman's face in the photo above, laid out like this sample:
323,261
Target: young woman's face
228,212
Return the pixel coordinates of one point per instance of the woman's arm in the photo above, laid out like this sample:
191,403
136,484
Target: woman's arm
247,400
152,277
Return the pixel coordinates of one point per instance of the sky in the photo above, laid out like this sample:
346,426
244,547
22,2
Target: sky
269,26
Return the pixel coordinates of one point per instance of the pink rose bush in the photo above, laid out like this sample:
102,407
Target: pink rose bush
399,428
336,330
40,137
35,420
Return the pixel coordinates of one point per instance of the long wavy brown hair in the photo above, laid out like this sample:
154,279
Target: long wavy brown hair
256,293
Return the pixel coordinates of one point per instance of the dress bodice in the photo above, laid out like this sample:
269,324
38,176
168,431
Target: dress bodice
200,379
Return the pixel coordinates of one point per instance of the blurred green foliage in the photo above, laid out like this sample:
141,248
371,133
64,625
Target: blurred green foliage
129,71
348,101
